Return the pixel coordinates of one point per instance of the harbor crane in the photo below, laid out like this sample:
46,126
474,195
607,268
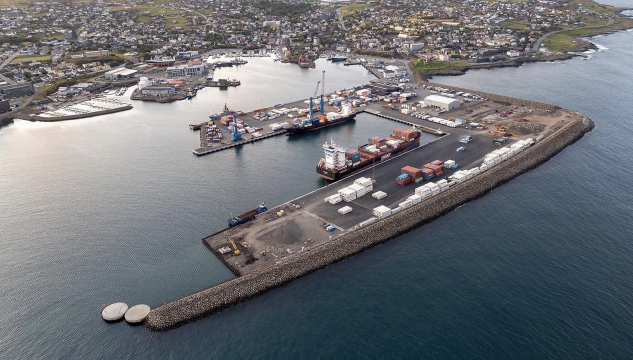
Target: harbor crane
236,135
316,91
322,92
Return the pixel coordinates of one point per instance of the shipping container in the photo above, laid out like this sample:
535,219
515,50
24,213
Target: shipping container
403,179
382,212
449,163
405,204
379,195
413,172
345,210
347,194
415,199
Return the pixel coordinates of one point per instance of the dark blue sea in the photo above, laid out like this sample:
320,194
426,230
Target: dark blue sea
114,209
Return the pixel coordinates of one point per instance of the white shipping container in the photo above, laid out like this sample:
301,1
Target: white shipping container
347,194
368,222
406,204
415,199
360,191
395,210
382,212
379,195
449,163
344,210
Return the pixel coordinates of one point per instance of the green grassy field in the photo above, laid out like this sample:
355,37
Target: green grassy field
352,8
513,24
559,42
32,58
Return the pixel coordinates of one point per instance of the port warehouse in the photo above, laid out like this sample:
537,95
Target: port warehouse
441,102
188,70
120,73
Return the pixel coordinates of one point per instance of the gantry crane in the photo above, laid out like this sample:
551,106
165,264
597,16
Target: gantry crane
236,135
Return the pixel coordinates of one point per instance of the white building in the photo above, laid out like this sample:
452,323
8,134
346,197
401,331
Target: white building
441,102
187,70
120,73
513,53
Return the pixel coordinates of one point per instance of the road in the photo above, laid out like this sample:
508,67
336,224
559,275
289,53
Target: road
538,42
340,18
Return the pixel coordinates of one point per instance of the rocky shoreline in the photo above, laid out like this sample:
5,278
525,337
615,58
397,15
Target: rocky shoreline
217,298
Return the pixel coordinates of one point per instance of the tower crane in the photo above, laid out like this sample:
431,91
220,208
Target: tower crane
316,91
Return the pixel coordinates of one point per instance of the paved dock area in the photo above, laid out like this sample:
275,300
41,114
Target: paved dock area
262,243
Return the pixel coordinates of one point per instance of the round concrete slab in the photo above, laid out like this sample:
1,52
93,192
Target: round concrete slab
137,313
114,311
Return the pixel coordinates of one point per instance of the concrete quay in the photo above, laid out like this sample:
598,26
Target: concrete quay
222,296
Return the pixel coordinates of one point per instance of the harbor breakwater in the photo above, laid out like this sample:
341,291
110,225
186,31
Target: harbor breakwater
78,116
217,298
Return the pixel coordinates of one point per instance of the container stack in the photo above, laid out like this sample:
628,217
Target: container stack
347,194
382,212
379,195
414,173
403,179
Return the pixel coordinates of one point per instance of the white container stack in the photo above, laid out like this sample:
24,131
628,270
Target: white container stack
449,163
347,194
344,210
382,212
366,183
334,199
405,204
379,195
415,199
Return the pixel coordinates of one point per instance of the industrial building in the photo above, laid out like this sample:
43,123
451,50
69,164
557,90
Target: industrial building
160,90
120,73
188,70
4,106
441,102
13,91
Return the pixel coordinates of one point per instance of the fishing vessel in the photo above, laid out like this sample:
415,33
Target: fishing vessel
340,162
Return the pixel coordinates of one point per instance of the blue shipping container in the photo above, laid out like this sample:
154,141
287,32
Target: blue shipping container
403,176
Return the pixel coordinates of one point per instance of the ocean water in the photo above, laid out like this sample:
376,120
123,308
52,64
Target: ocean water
113,208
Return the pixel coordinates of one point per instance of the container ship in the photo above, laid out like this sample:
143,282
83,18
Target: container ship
340,162
306,124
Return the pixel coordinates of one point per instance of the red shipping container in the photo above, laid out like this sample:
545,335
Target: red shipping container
405,181
438,162
427,166
413,172
439,173
437,170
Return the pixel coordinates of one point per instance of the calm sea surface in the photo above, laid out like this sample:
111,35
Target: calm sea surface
114,208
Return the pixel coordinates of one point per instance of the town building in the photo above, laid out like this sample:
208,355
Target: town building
13,91
4,106
159,90
120,73
188,70
441,102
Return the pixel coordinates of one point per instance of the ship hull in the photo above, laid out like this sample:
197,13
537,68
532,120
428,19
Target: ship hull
295,131
338,59
338,175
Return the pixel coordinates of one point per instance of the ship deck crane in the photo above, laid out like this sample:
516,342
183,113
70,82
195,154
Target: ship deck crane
316,91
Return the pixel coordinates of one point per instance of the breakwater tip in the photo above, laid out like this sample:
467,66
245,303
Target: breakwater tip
137,314
114,311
